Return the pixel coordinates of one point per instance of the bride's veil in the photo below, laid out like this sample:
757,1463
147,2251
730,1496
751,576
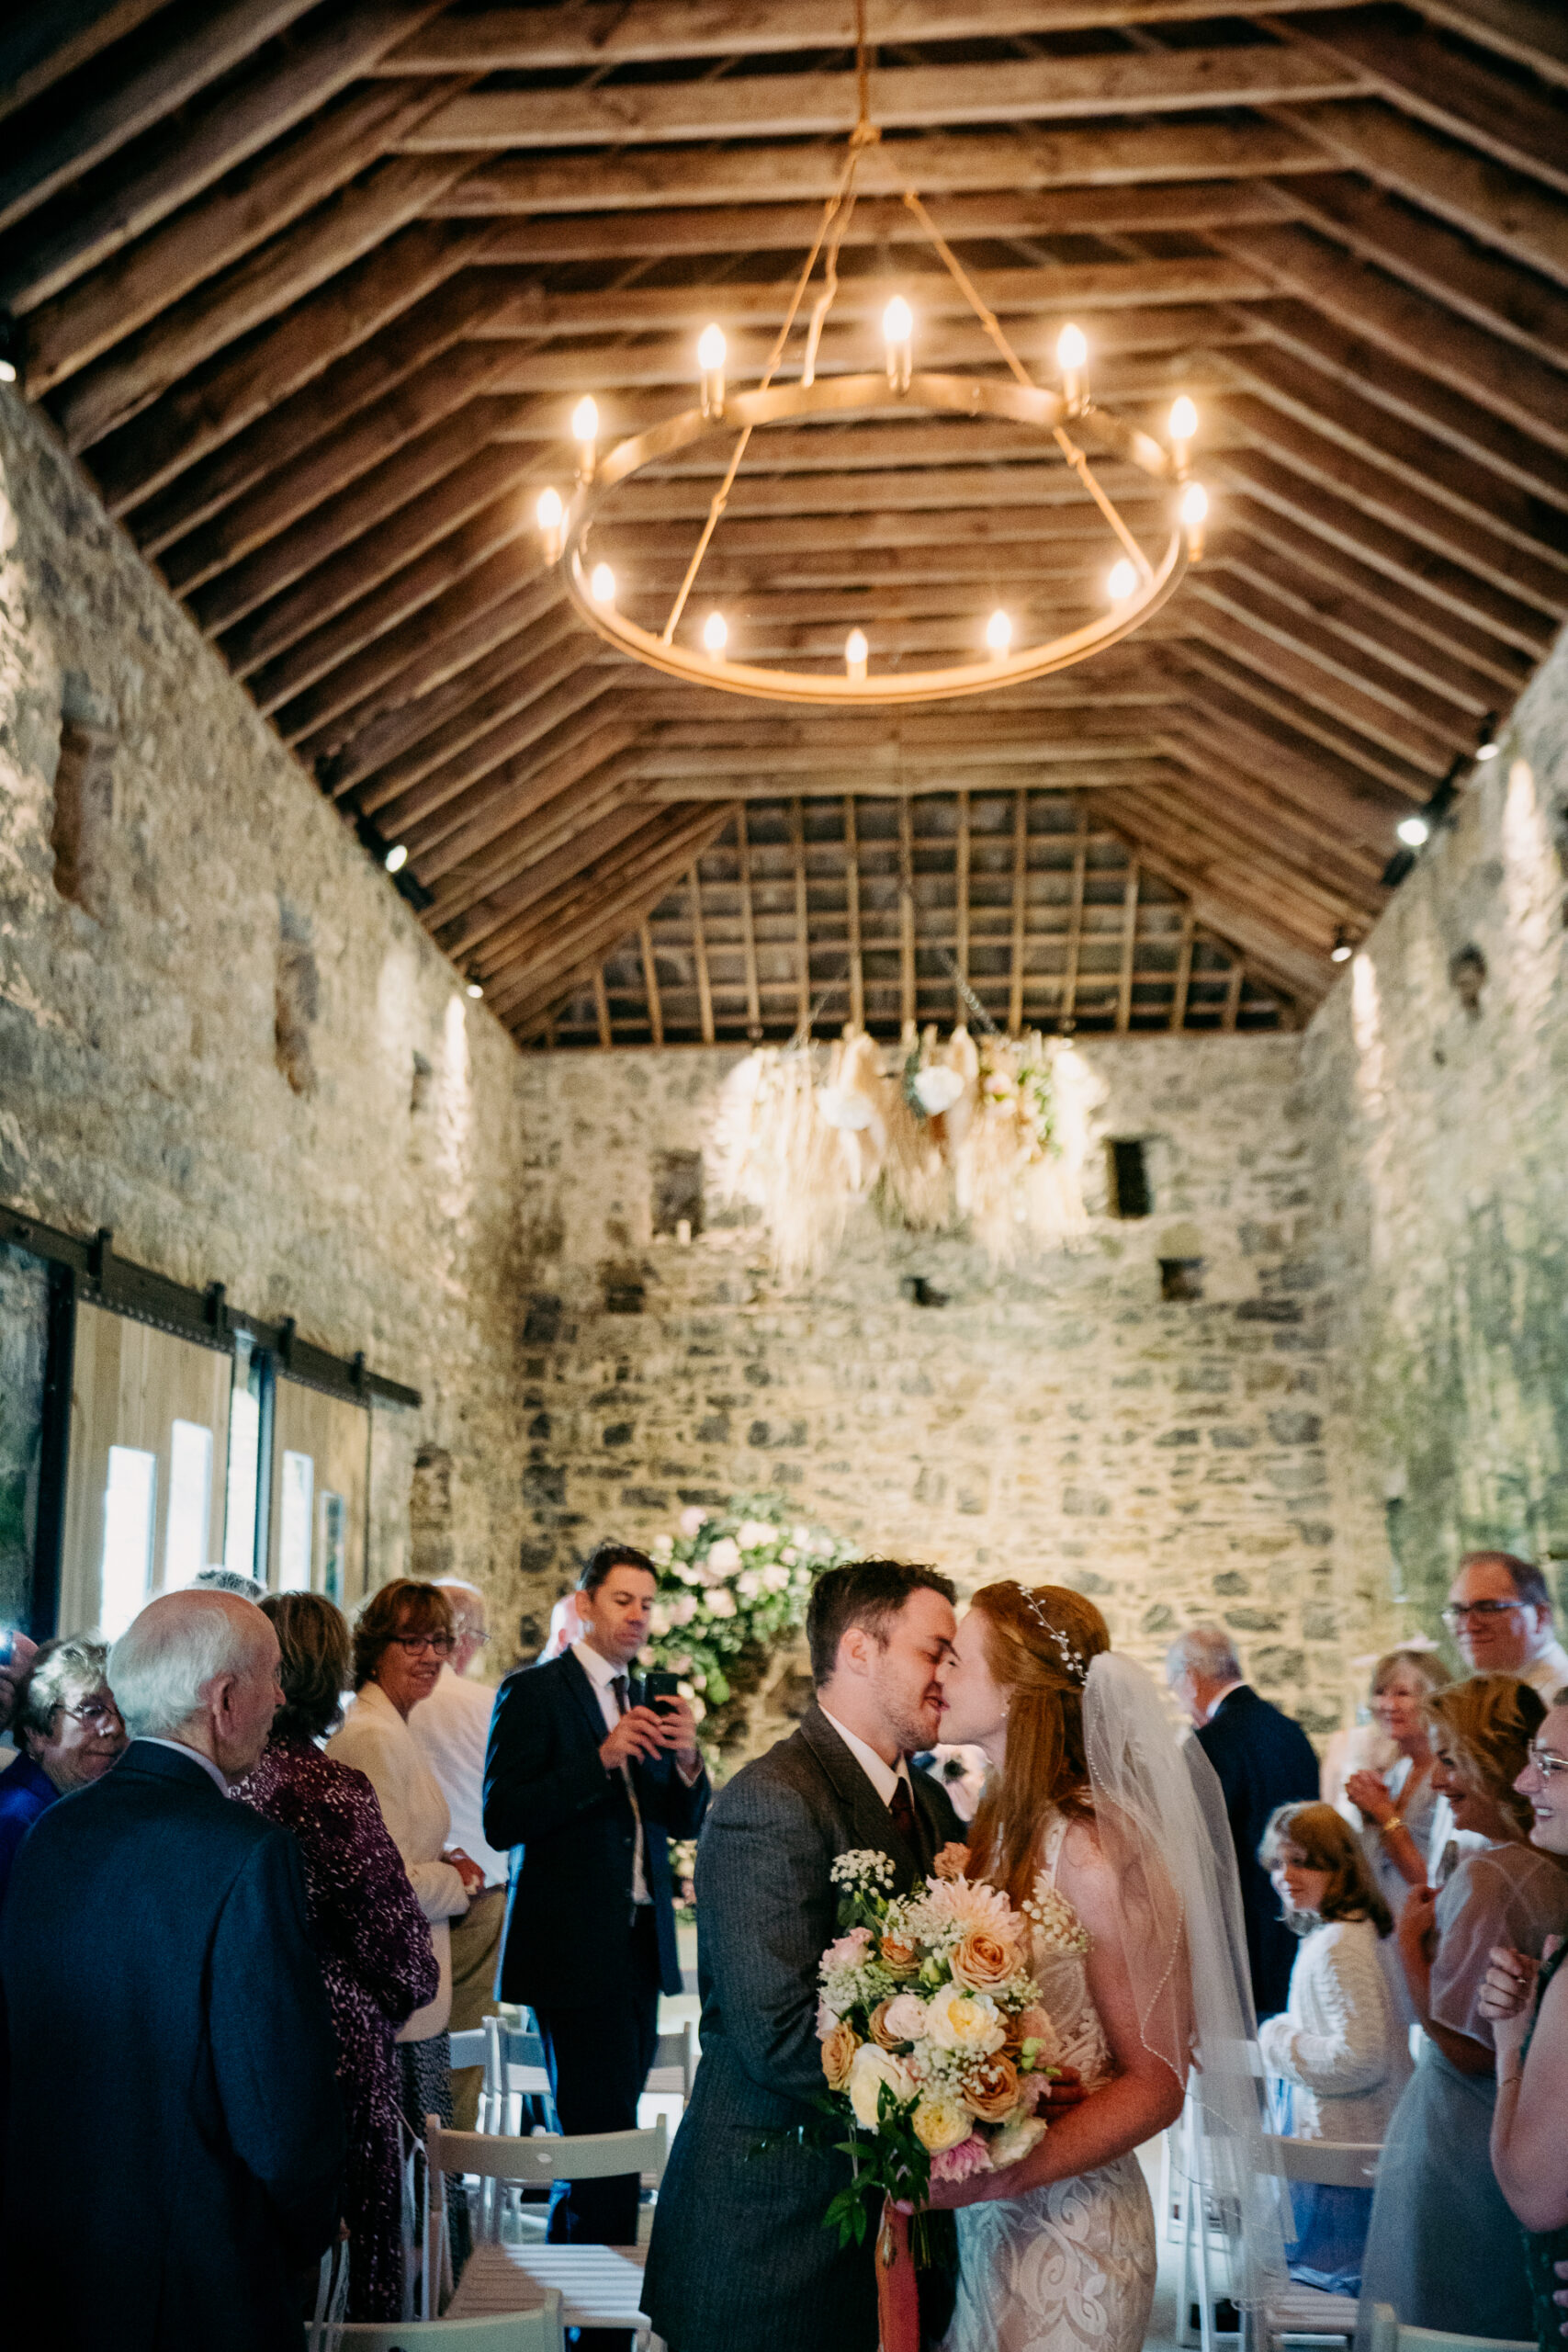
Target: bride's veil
1162,1826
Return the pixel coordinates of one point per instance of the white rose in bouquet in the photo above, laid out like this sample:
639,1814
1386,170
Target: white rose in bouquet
906,2018
721,1602
725,1557
753,1535
966,2022
941,2121
693,1521
872,2068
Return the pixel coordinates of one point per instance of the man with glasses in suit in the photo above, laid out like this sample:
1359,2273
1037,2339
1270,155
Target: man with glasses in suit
1500,1613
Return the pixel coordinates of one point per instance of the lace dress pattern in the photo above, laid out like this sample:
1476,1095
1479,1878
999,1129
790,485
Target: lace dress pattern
1070,2267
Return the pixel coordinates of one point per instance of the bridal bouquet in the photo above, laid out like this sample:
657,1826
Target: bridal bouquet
935,2046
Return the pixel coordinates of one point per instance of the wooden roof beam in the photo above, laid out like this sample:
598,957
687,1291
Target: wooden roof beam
213,403
1532,32
440,813
415,793
1504,208
395,600
1386,741
477,898
747,780
505,593
42,44
138,100
1425,75
1110,156
216,135
422,714
104,396
385,552
902,97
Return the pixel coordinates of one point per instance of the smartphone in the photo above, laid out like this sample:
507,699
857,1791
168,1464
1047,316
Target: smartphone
658,1689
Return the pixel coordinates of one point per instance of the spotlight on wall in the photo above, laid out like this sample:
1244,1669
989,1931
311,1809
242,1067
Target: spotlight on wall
1414,831
474,989
10,348
397,857
1488,747
1343,947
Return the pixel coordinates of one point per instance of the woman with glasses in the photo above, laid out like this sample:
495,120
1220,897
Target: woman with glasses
377,1960
1528,2005
1443,2248
68,1732
402,1636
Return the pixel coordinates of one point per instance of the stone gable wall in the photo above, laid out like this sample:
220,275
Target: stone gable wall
1435,1078
222,1032
1052,1421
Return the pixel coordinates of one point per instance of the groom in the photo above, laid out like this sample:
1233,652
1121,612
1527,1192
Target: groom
739,2256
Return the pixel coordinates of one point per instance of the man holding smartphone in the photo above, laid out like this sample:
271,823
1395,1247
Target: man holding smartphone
589,1774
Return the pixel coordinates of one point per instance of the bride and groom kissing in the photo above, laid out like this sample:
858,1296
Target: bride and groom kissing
1088,1796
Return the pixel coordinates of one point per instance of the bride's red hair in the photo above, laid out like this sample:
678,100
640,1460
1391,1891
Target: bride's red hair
1038,1646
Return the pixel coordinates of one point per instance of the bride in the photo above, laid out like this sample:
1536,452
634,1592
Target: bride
1094,1819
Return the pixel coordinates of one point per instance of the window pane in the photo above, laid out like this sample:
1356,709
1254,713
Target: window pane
190,1500
294,1523
127,1570
244,1444
334,1546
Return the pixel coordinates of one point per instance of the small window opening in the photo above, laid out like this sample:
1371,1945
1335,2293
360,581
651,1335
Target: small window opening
1180,1278
1129,1177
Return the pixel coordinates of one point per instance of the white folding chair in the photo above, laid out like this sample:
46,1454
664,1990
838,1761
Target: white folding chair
536,2330
1335,2164
674,2067
515,2070
598,2286
1389,2335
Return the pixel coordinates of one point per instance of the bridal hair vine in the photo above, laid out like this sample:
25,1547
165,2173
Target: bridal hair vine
1074,1663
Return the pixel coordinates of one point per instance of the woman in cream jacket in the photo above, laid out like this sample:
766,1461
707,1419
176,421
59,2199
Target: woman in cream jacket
402,1637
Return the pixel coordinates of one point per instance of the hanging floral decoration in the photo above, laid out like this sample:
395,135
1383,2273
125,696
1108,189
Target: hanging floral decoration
985,1136
732,1586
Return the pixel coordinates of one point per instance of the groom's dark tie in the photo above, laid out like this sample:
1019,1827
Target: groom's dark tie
902,1808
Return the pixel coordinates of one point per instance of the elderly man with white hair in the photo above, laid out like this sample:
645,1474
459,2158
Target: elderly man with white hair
176,2137
1262,1760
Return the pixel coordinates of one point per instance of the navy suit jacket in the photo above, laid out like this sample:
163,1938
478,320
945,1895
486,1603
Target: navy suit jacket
1262,1759
175,2131
573,1833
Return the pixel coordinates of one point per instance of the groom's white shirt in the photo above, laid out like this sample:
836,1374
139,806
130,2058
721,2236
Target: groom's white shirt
884,1778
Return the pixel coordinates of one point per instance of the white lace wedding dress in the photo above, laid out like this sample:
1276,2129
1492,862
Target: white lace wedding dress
1072,2265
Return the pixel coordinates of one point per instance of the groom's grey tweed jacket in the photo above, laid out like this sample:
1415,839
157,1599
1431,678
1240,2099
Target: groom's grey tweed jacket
739,2260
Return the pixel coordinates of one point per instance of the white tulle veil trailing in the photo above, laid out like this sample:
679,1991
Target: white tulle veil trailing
1163,1829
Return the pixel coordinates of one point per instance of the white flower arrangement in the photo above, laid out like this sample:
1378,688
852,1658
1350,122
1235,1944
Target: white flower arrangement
732,1585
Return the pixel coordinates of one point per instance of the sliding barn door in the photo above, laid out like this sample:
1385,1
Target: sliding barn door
148,1466
321,1460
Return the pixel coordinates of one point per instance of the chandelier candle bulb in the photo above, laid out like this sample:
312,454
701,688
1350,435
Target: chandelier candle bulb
857,653
716,635
898,328
1122,581
1072,358
998,634
1194,511
602,584
548,515
1183,432
585,433
712,350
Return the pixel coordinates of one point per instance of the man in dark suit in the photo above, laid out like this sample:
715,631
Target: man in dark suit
1262,1760
175,2132
587,1785
739,2256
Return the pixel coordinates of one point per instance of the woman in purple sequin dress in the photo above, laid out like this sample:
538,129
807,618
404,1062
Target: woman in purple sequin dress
370,1933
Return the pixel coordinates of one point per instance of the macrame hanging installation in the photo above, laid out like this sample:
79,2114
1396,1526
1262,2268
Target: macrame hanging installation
985,1136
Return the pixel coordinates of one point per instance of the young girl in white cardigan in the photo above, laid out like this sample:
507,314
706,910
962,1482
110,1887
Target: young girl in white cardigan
1339,2055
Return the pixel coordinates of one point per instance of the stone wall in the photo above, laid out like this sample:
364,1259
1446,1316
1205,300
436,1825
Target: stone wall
1435,1080
222,1034
1057,1422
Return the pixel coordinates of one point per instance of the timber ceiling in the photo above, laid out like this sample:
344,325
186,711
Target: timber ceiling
312,291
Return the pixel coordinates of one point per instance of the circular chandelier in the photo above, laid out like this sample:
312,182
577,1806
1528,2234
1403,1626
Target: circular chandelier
1135,587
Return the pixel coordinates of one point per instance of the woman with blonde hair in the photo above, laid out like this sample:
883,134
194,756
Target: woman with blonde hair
1117,1843
1337,2053
1397,1806
1443,2248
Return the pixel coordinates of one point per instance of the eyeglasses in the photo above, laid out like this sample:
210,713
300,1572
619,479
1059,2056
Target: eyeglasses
1460,1612
1547,1764
441,1643
94,1714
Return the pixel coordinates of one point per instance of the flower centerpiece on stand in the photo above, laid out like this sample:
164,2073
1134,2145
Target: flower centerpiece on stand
733,1587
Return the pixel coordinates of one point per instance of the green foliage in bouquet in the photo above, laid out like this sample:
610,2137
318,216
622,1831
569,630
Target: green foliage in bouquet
732,1586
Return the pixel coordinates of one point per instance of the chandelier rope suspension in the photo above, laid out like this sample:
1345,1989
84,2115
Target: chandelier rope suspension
1135,586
